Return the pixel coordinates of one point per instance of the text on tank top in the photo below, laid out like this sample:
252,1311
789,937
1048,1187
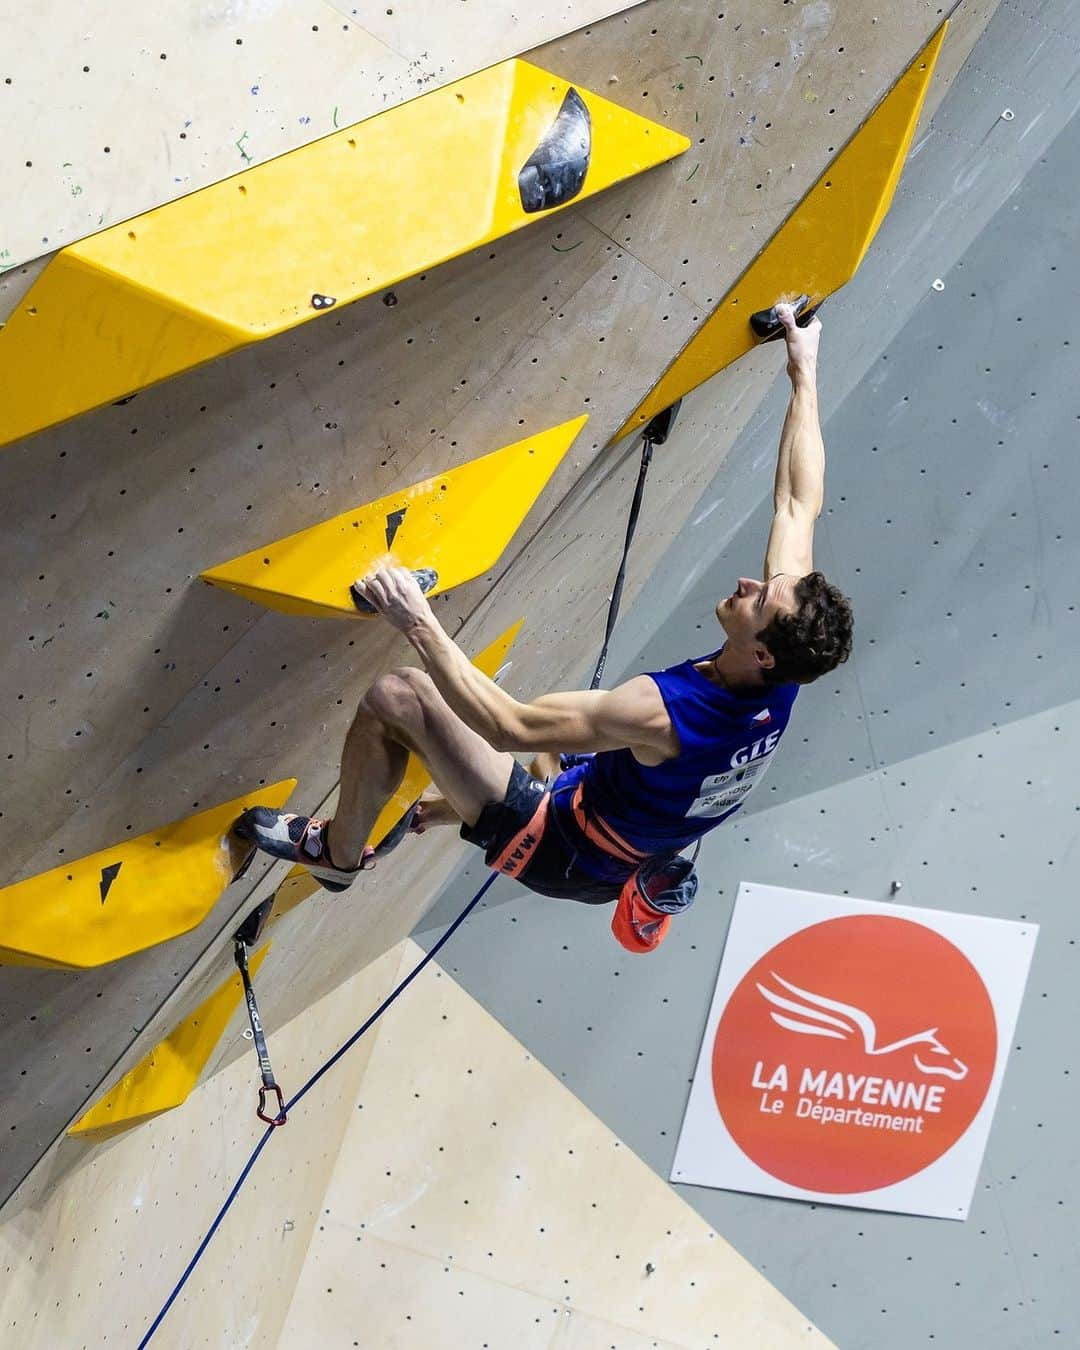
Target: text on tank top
727,741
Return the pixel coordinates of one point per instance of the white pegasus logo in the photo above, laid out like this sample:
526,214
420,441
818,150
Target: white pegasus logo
812,1021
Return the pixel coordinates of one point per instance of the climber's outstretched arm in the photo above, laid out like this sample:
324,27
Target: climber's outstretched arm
632,715
799,490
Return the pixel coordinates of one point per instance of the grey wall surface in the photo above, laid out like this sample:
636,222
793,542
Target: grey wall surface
942,756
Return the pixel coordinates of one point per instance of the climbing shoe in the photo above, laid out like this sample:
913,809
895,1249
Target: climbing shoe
406,824
300,839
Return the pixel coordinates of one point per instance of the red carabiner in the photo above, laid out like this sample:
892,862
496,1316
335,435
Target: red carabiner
281,1117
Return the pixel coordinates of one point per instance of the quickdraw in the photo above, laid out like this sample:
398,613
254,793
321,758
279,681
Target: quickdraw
244,937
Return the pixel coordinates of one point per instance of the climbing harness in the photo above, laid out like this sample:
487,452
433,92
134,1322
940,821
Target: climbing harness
661,884
523,845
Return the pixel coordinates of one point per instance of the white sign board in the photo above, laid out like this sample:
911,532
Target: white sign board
854,1052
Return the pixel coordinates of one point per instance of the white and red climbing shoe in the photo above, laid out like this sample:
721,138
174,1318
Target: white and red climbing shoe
300,839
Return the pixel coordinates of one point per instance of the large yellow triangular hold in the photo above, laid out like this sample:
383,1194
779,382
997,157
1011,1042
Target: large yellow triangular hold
167,1074
321,226
457,524
129,897
819,246
299,885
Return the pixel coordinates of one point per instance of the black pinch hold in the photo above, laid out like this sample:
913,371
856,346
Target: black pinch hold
251,929
555,171
766,324
659,428
426,578
322,301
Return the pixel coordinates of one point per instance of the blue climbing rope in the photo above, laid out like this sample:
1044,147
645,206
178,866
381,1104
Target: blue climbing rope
302,1093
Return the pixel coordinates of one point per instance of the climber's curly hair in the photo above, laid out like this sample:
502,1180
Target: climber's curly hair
813,640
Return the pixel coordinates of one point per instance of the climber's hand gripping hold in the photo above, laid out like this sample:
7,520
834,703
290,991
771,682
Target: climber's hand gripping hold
395,593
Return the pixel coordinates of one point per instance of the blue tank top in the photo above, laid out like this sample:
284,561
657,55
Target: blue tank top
727,741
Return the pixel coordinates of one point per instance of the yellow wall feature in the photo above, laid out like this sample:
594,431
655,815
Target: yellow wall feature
258,253
458,523
127,898
819,246
299,884
168,1073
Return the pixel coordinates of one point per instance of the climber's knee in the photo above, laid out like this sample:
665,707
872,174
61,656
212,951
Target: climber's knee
399,697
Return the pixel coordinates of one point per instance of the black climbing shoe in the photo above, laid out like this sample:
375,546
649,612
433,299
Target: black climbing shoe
300,839
397,832
766,322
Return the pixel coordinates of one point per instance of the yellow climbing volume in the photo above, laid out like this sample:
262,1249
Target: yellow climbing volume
316,228
457,523
129,897
818,247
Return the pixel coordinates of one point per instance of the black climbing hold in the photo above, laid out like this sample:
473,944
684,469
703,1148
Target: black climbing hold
389,299
426,578
123,402
322,301
251,929
555,171
657,431
767,325
393,524
108,876
248,859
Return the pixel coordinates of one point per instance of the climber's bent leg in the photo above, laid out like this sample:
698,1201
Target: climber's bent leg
404,711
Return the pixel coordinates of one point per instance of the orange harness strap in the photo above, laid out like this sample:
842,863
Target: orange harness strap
600,833
521,847
635,923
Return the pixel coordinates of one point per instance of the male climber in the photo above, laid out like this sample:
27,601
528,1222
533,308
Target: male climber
647,767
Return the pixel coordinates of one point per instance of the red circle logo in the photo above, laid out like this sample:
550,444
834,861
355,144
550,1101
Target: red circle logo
854,1054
